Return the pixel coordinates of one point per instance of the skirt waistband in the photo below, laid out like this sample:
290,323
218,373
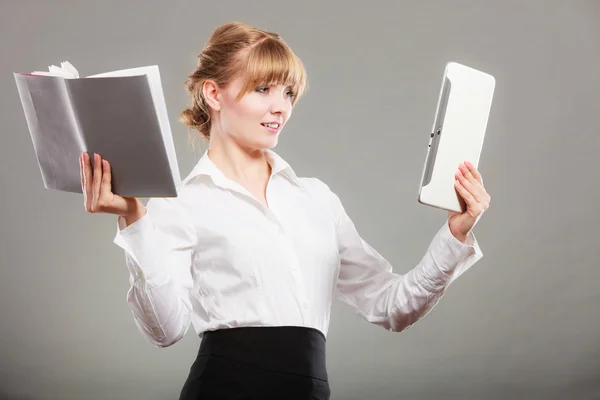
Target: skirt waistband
285,349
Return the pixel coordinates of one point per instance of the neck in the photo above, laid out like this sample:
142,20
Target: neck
246,166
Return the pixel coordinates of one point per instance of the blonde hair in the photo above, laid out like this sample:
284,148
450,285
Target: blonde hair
236,49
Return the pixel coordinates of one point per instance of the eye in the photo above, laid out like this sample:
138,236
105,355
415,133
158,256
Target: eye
291,94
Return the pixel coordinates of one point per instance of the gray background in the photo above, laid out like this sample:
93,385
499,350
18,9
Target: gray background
523,323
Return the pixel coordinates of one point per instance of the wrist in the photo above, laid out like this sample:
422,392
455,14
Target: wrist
135,212
459,236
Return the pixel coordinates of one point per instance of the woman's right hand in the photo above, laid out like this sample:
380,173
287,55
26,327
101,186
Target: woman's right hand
97,191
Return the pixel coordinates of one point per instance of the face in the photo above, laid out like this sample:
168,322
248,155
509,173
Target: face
255,120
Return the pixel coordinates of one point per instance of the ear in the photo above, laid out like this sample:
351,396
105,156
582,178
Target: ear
210,90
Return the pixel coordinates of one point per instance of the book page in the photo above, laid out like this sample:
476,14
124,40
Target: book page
53,129
118,120
160,105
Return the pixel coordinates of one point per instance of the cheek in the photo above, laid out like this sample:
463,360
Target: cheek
251,111
246,113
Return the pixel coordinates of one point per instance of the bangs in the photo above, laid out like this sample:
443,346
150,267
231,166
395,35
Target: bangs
271,62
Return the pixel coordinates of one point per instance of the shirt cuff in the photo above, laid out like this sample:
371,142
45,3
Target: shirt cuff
450,257
140,242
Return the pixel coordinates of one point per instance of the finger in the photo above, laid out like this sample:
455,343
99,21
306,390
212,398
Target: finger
471,184
106,179
467,173
481,194
81,176
471,168
87,176
97,180
466,183
472,204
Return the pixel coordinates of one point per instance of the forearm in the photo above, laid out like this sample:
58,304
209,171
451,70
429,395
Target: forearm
159,272
159,311
395,301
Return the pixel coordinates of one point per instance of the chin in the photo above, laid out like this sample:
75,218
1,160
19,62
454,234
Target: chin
263,144
267,143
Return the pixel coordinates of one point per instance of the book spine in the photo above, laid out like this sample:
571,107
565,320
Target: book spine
74,118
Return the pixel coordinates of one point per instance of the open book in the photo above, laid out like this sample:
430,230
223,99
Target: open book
120,115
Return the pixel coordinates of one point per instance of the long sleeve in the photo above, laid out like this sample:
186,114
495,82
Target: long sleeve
394,301
158,254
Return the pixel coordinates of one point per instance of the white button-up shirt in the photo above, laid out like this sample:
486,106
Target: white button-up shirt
215,257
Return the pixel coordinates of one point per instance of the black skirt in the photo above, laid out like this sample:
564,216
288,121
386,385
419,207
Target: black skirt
284,362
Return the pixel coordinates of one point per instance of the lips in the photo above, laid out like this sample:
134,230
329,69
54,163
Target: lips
272,125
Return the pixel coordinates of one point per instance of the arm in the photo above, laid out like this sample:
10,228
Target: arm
158,254
394,301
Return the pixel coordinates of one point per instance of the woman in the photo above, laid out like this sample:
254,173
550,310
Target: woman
253,255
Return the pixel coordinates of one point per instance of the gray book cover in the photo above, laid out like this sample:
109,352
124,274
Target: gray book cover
122,118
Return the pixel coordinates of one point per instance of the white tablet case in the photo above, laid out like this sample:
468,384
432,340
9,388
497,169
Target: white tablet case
457,135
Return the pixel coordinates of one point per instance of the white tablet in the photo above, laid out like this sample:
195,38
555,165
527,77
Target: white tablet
457,135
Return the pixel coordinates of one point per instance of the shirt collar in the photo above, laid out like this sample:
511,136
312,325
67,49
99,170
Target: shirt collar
206,167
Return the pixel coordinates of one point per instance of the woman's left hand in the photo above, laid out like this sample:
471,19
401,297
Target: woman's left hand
469,186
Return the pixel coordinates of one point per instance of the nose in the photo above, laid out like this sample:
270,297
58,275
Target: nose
280,105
